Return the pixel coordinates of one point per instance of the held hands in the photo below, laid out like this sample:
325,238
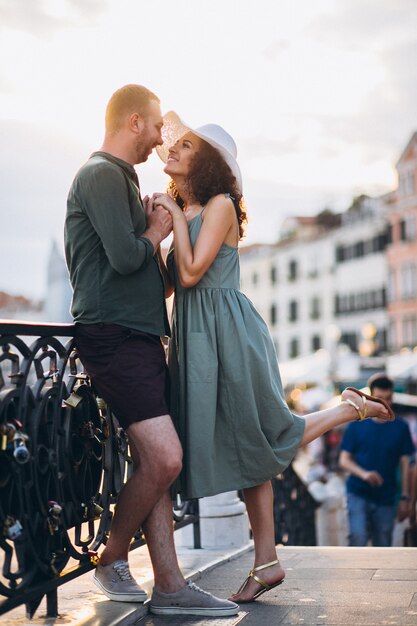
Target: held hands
164,200
159,222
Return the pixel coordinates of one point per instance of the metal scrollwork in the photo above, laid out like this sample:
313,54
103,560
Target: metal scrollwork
56,463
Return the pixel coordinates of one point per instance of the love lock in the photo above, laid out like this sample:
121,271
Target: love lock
72,401
7,432
54,516
12,528
92,510
94,558
95,510
101,404
21,454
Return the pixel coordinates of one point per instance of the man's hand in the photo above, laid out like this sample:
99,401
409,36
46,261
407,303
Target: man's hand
372,478
347,462
159,223
403,510
148,206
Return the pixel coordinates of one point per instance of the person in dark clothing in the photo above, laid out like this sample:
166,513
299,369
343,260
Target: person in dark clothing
371,454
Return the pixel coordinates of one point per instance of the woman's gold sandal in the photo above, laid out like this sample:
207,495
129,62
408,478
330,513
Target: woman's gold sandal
264,585
363,414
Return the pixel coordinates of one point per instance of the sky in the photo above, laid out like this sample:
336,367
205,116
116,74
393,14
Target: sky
320,97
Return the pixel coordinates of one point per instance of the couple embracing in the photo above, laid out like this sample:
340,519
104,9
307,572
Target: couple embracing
214,419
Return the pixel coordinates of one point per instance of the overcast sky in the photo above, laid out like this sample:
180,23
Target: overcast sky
321,98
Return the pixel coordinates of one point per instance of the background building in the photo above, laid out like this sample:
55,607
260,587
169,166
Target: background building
402,252
339,292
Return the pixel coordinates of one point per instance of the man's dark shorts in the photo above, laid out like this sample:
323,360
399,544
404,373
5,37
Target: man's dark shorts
127,368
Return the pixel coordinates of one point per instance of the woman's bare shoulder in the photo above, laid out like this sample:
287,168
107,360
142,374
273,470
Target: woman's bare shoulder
220,203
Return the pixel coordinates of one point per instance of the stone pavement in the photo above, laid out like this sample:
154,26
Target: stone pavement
324,585
80,603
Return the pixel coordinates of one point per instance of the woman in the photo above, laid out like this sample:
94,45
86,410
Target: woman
235,426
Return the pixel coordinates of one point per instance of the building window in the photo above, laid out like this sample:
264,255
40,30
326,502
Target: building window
382,340
392,335
407,183
351,340
379,243
315,308
410,331
403,234
294,348
293,311
410,227
273,314
408,281
359,249
410,183
340,254
273,275
391,286
292,270
254,278
315,343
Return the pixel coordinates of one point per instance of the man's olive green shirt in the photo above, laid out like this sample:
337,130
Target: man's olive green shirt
113,270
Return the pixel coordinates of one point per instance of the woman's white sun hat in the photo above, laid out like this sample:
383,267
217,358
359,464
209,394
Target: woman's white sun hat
174,128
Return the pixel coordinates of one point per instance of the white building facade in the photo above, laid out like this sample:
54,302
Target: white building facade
293,291
324,286
361,277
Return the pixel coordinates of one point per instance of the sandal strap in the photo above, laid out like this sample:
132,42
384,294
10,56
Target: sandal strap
259,580
361,414
260,567
264,586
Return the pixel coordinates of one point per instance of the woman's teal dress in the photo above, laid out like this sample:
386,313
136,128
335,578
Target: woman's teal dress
227,400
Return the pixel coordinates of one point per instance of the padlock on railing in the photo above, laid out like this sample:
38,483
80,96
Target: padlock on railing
7,433
92,510
21,454
12,528
102,406
54,516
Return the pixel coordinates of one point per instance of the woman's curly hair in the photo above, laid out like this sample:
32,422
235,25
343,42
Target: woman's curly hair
210,175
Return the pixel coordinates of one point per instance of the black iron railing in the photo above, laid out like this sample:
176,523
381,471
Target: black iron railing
63,461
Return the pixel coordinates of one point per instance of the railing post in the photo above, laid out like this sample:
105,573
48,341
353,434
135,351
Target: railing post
52,603
197,527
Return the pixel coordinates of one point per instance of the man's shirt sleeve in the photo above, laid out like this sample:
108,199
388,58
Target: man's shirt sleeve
106,203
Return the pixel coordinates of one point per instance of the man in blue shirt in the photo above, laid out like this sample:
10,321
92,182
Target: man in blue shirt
372,452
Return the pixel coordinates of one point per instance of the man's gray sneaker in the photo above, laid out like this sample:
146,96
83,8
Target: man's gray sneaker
115,580
190,600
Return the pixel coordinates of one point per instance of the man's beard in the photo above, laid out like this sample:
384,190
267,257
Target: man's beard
142,152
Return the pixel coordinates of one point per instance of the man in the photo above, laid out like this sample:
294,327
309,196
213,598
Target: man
372,452
112,253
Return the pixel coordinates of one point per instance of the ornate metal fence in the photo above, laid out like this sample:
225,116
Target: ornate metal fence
63,461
